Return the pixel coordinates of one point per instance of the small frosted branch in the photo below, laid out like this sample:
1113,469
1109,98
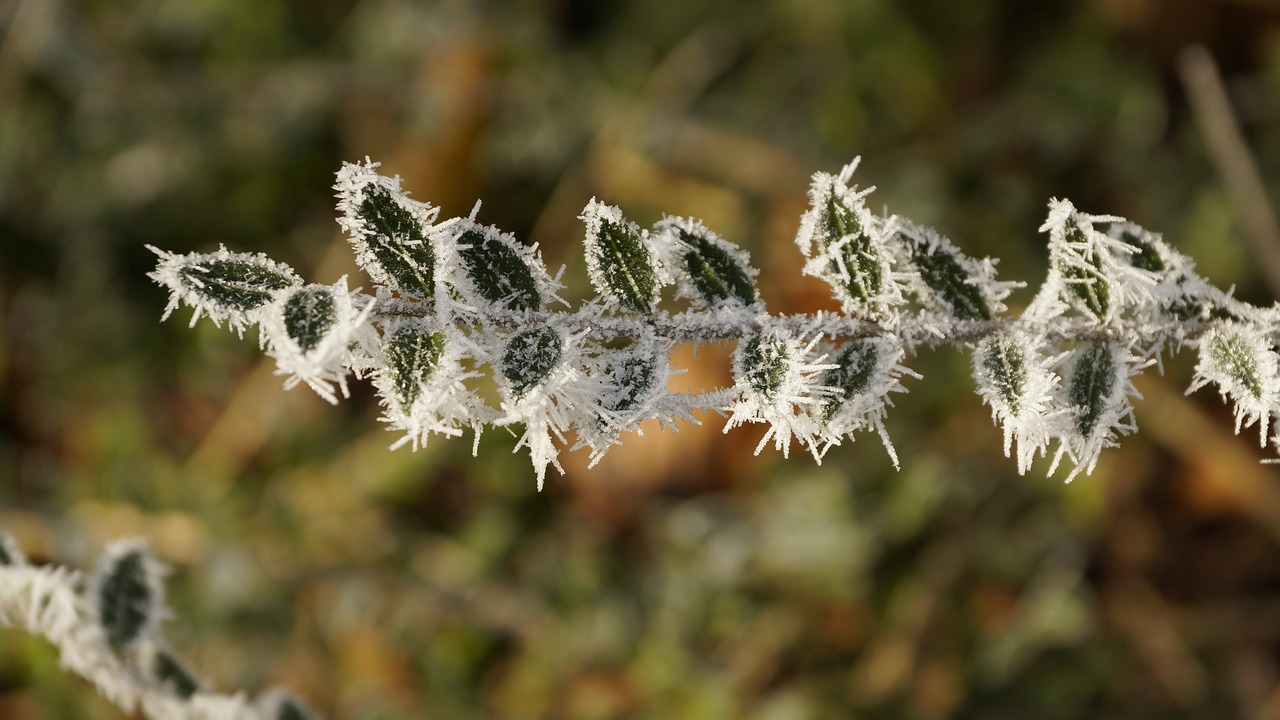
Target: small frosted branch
455,300
107,630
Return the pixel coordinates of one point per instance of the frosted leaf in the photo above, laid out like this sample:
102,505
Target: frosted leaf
170,673
710,272
545,384
1094,395
1089,272
1179,291
225,286
1241,361
490,268
776,378
125,595
946,279
1015,377
622,266
530,356
421,382
391,233
846,246
862,376
633,389
316,333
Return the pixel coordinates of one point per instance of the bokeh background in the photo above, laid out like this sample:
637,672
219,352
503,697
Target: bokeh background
681,578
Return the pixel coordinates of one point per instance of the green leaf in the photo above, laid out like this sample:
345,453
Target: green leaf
855,366
394,239
765,362
126,599
235,281
1092,381
309,315
621,266
947,278
634,373
1090,284
170,673
718,277
530,357
1233,356
413,354
858,255
1005,363
497,271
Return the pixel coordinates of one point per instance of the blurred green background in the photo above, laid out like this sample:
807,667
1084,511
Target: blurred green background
681,578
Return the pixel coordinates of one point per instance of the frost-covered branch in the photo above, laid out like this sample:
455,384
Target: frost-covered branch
454,297
107,629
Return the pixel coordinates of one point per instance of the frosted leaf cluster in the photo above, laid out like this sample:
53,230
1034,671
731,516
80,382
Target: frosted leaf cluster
107,629
456,302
